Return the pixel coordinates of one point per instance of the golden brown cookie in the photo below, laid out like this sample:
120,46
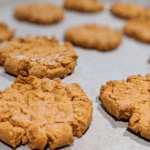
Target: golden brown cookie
84,5
43,13
129,100
138,29
94,37
5,32
128,11
38,112
38,56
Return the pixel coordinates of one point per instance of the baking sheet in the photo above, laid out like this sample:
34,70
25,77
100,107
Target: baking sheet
93,69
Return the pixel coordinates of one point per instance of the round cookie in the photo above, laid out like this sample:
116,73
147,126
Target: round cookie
94,37
138,29
43,13
127,11
129,100
84,5
38,56
43,112
5,32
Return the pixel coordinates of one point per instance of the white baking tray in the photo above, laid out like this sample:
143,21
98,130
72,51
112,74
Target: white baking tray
93,69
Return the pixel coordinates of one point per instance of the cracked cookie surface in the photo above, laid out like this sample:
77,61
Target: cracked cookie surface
5,32
84,5
38,56
38,112
129,11
94,37
43,13
129,100
138,29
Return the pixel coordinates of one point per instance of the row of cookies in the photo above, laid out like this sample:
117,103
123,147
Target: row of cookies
36,110
138,20
102,38
67,119
129,99
48,13
95,36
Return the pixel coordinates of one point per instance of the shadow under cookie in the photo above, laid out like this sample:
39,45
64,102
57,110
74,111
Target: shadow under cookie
8,76
112,120
136,137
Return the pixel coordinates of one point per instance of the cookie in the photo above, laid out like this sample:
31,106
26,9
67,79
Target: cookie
38,56
94,37
84,5
5,32
38,112
42,13
138,29
129,100
128,11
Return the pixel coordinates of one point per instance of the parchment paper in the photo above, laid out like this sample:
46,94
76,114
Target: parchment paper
93,69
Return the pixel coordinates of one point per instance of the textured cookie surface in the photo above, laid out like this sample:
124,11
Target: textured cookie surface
5,32
38,56
127,11
39,13
94,36
138,29
84,5
38,112
129,100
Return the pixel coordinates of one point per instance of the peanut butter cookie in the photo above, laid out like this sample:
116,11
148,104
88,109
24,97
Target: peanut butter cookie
84,5
129,100
138,29
38,56
38,112
5,32
94,37
43,13
128,11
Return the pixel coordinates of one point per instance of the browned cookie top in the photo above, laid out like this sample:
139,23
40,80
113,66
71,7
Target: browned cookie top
84,5
138,29
38,56
94,36
5,32
38,112
43,13
127,11
129,100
